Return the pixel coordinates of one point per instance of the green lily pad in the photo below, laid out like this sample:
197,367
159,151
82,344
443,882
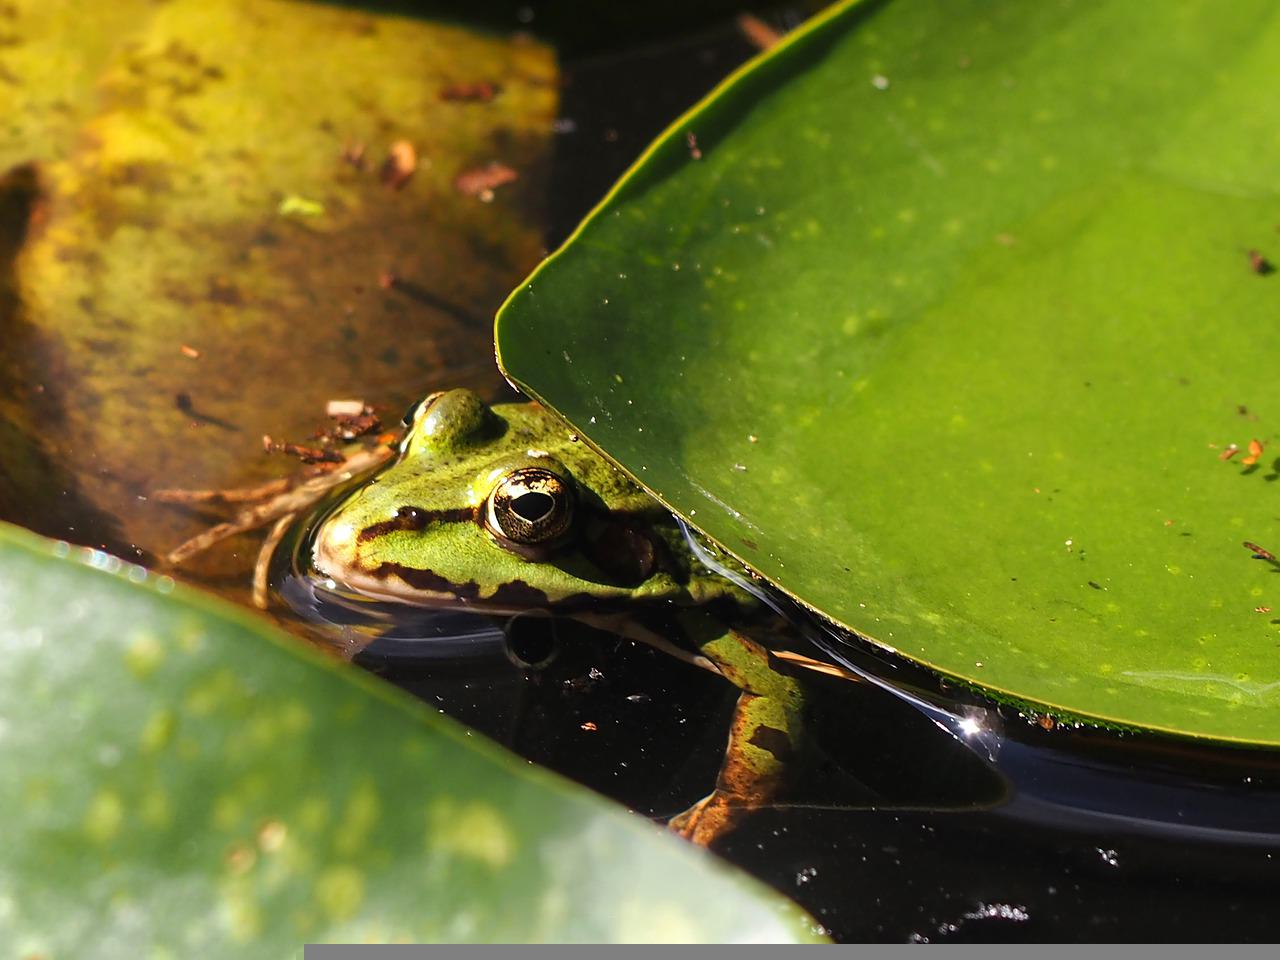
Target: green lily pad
182,779
941,316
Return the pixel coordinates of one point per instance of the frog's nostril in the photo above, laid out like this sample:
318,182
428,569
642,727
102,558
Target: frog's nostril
534,505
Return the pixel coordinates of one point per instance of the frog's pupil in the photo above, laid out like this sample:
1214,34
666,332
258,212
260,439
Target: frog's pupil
533,506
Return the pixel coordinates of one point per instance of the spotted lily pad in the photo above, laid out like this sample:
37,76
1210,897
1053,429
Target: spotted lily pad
182,779
945,316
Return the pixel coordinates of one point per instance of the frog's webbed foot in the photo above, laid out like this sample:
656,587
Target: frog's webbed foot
763,741
709,818
276,502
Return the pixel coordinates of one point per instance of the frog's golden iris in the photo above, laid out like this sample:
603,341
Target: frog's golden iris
530,506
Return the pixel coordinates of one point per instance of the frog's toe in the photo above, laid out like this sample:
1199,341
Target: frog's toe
709,819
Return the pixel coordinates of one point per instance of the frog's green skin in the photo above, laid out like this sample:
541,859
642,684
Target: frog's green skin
424,532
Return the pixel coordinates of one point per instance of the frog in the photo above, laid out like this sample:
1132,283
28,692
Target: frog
503,509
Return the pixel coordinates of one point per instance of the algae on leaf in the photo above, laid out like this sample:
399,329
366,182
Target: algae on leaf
945,328
227,232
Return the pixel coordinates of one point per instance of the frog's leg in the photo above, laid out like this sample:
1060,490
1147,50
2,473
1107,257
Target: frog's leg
764,735
766,728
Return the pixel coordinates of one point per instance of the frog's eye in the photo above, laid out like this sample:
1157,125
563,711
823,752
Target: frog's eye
529,507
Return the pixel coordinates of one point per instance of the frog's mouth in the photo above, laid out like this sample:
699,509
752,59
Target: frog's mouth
335,555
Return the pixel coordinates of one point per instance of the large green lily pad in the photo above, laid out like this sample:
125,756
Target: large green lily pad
182,780
940,316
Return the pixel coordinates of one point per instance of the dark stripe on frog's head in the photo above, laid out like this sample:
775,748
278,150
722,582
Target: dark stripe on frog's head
414,518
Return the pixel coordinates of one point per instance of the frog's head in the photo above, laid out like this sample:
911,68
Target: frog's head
498,507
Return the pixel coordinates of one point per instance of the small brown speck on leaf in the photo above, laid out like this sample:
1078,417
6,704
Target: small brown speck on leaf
1255,451
190,352
691,139
1258,552
1261,609
1260,264
1229,451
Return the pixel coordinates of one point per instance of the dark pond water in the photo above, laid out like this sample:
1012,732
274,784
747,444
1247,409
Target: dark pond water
920,813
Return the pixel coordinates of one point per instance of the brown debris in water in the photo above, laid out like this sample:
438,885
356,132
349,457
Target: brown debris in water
478,91
277,502
352,419
305,454
481,182
353,154
758,33
401,162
